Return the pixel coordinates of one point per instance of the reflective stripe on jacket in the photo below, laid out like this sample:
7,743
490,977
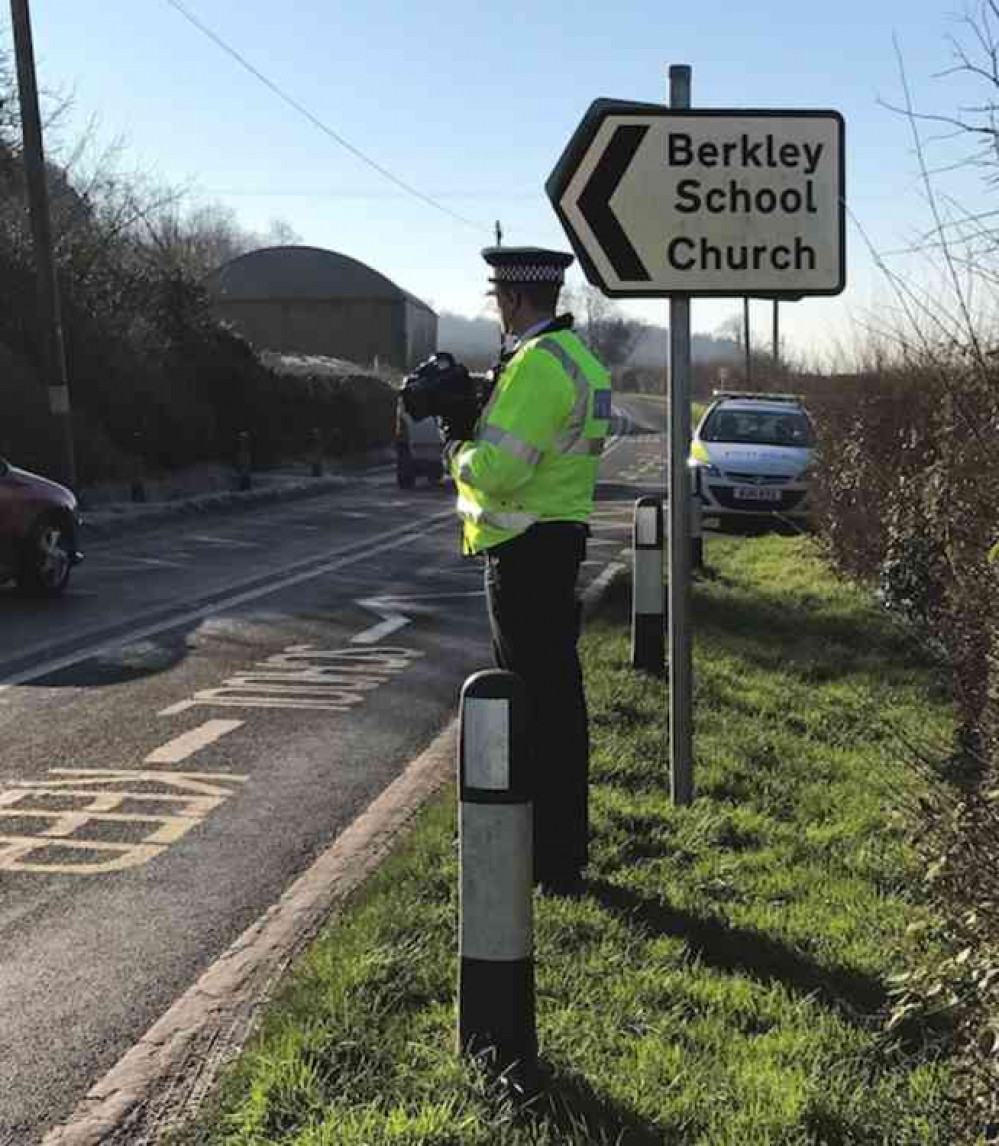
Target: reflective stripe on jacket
538,443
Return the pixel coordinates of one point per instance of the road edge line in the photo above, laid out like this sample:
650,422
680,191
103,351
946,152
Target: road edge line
247,972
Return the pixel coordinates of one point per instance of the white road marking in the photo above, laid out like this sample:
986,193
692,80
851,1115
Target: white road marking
393,621
416,598
307,678
158,561
176,709
391,624
109,564
599,584
221,606
223,541
183,746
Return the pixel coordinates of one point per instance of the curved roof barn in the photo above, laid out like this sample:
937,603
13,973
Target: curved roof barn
307,300
302,272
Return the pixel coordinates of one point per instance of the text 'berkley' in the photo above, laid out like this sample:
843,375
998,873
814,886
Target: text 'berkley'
743,151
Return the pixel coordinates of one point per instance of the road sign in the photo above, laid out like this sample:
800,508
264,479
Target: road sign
661,201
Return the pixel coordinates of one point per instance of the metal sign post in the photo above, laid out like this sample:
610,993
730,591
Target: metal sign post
679,202
681,768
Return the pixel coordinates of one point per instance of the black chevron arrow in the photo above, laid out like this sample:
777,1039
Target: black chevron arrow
594,203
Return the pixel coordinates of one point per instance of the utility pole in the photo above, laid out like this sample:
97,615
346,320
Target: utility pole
776,338
52,357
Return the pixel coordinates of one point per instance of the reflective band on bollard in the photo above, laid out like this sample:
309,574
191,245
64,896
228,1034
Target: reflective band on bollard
648,634
496,930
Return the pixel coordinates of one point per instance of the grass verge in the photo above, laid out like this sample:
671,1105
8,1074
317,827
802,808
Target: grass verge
725,976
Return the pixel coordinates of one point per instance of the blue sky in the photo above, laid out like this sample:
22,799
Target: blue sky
473,103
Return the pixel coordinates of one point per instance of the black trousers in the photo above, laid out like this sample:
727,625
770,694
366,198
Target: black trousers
534,617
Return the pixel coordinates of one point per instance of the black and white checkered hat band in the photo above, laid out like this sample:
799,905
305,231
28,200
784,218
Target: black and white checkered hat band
529,273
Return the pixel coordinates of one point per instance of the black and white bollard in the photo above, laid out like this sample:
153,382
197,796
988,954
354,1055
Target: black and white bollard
496,1011
138,490
243,462
316,439
696,526
648,630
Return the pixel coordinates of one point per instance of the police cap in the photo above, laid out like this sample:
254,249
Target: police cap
518,266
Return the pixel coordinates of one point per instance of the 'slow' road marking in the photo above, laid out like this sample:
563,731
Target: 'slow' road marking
306,678
190,742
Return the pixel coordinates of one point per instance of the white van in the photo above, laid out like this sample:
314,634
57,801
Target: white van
418,448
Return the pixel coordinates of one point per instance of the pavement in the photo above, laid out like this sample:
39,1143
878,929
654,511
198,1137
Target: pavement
111,511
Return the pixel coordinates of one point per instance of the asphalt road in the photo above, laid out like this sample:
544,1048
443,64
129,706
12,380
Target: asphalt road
210,705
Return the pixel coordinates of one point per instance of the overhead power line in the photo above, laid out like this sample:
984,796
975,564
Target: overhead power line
354,193
316,122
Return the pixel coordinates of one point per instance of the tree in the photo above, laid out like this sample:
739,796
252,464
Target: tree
608,333
731,330
975,53
280,233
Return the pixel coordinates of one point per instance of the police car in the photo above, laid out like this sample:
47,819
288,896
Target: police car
750,455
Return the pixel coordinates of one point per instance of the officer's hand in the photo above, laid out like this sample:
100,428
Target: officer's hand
450,449
458,429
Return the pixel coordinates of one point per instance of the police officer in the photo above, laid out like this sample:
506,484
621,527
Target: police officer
525,493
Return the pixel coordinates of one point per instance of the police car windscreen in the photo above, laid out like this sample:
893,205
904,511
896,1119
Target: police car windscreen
759,428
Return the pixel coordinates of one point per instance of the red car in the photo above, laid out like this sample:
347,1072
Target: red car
38,531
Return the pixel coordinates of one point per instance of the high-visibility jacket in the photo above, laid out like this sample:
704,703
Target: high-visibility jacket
537,442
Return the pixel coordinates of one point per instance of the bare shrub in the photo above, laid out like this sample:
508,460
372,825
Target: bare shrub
153,374
908,487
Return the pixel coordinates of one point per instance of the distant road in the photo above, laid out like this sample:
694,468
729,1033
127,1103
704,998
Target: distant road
211,704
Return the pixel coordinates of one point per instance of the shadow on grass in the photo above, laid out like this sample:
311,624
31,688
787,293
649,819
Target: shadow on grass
856,997
569,1105
789,632
799,631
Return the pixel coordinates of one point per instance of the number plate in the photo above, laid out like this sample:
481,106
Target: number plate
755,493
